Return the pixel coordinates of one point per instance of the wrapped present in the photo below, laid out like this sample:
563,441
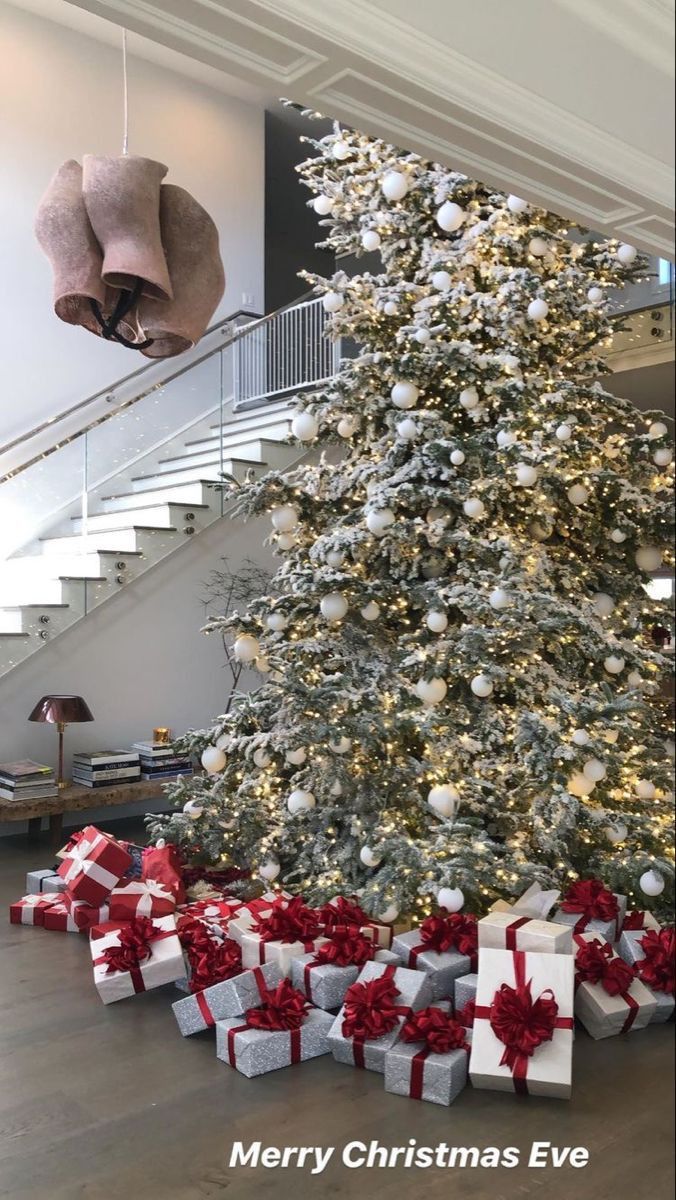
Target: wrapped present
140,898
464,991
286,930
93,866
213,911
163,865
429,1062
324,977
44,881
81,916
608,998
444,947
30,910
374,1011
652,955
341,912
210,956
508,931
283,1031
637,920
229,998
135,956
588,906
533,903
523,1023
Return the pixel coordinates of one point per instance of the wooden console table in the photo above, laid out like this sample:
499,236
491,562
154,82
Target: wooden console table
75,797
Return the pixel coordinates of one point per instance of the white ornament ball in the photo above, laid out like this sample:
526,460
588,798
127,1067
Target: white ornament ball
333,606
626,254
578,494
517,206
564,432
651,883
394,185
342,745
335,559
341,150
469,398
261,757
596,295
213,760
526,474
436,621
346,427
276,622
443,799
613,664
286,541
611,736
370,240
580,737
391,309
657,430
322,205
262,664
538,310
407,430
457,458
538,247
296,757
336,788
422,335
284,518
379,520
368,857
223,742
300,801
474,508
645,789
618,536
634,679
269,870
648,558
450,216
482,686
388,915
431,691
441,280
579,785
452,899
160,843
662,457
604,604
370,611
246,648
305,427
404,394
505,438
616,833
193,809
332,302
594,769
499,599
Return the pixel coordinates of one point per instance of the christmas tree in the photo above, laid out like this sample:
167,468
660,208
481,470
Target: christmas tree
459,685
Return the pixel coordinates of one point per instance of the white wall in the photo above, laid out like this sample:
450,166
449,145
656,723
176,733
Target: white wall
61,97
139,660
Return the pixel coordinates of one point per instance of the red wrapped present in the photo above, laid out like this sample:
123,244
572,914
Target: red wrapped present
82,915
163,864
30,910
135,956
140,898
94,866
217,911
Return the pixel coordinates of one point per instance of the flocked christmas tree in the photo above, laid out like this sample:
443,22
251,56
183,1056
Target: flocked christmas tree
459,680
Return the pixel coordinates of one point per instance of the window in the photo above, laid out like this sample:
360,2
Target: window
664,272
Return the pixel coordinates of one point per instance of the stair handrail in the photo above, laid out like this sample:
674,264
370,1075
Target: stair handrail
234,336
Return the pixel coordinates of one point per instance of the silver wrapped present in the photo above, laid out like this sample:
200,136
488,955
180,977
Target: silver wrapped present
256,1051
230,998
414,1072
415,992
604,1015
464,991
608,929
630,949
326,984
442,969
44,881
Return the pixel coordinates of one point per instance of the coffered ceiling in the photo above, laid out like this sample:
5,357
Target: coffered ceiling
566,102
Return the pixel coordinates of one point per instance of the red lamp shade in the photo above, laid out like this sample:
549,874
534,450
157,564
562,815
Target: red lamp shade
61,710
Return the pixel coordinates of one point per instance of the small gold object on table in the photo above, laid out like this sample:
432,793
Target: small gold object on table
161,736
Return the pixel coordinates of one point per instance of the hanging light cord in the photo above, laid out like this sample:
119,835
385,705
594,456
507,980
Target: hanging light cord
125,139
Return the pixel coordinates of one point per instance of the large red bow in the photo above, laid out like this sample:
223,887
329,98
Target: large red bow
370,1009
633,921
595,962
440,1032
657,968
347,947
288,921
134,946
592,900
521,1023
453,931
214,963
285,1008
342,912
465,1015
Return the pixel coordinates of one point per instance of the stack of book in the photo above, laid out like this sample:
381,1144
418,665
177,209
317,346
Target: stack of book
26,780
159,761
106,768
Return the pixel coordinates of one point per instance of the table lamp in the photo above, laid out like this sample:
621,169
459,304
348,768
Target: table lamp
61,711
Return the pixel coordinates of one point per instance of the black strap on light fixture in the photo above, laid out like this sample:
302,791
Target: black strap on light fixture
109,328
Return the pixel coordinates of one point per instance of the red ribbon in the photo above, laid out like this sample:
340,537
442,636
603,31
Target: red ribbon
592,900
282,1010
450,931
521,1023
205,1009
347,947
466,1014
633,921
135,938
657,968
440,1034
221,960
288,921
341,912
370,1011
596,962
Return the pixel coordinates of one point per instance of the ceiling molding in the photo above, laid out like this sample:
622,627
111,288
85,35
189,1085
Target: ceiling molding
646,27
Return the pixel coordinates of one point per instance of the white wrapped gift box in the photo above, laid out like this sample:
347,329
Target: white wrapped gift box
164,965
604,1015
511,931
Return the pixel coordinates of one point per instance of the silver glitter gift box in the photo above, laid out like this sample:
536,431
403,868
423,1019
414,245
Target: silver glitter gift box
607,929
44,881
326,984
415,991
629,948
464,991
443,1075
230,998
256,1051
441,969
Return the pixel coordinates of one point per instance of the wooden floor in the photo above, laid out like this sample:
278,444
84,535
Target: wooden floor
98,1103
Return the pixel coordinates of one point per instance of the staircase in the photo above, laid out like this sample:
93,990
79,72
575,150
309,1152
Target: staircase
135,484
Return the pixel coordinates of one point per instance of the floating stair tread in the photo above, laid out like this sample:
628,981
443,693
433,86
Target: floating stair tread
245,441
15,633
231,458
80,579
139,508
166,487
20,607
